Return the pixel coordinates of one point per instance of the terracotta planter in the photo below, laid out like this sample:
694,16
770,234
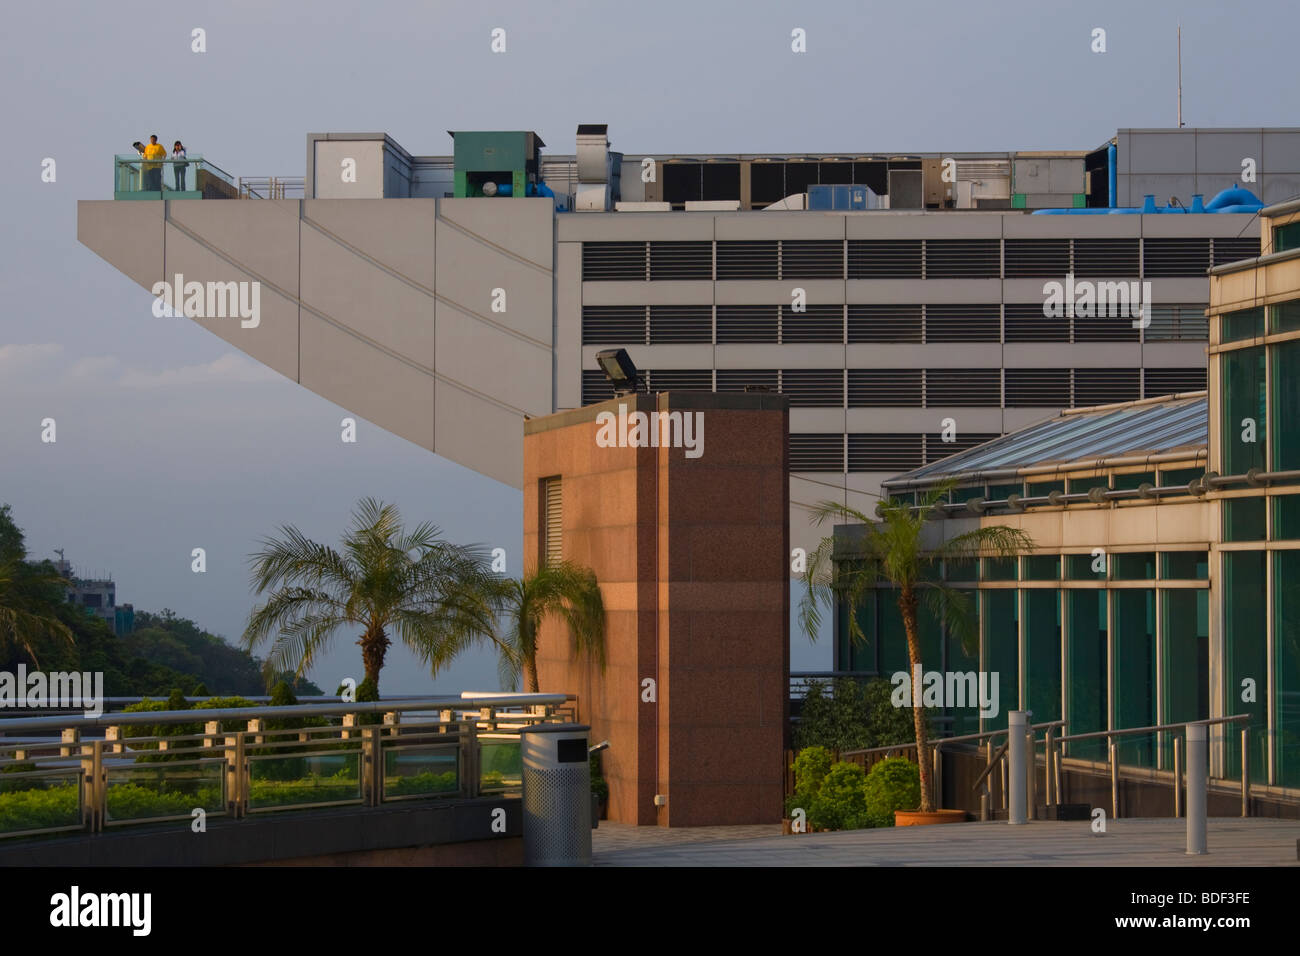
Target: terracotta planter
915,818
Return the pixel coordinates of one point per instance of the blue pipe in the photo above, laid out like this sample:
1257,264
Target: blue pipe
1234,199
1112,154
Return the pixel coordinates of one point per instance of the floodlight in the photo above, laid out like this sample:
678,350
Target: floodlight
619,370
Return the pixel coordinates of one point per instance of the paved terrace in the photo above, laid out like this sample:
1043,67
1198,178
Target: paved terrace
1152,842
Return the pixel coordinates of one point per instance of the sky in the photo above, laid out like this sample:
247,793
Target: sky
170,440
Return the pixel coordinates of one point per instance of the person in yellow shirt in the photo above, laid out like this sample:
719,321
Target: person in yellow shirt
153,171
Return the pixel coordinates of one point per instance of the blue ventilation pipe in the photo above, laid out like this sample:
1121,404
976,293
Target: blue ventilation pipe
1112,155
1234,199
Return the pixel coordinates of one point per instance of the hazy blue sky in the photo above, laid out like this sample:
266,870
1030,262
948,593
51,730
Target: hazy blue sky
169,440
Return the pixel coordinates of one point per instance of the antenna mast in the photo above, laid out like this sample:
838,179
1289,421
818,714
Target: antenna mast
1180,76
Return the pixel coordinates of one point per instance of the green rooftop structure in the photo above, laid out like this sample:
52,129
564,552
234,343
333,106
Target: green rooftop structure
495,163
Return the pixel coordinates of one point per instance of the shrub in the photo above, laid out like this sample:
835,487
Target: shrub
848,715
841,803
36,809
810,768
893,784
131,801
420,783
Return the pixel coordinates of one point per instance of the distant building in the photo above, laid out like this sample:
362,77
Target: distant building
895,297
97,596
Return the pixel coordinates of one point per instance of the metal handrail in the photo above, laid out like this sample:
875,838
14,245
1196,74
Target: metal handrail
938,741
446,725
1092,734
293,710
1115,766
271,187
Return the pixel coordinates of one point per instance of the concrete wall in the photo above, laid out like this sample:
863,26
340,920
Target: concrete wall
692,558
385,307
1182,162
394,321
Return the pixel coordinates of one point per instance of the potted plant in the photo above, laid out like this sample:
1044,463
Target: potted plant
893,549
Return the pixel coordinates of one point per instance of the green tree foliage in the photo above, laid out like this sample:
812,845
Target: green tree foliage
565,590
28,595
39,628
845,714
437,598
179,643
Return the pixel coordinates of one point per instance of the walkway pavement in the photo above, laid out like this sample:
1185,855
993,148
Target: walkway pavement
1153,842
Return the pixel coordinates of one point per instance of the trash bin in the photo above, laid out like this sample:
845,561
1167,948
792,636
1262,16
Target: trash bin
557,795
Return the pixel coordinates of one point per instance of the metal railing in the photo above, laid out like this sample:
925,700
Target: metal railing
1115,766
238,761
135,177
865,758
1053,755
272,187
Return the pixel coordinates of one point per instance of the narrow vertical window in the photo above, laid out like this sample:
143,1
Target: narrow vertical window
552,520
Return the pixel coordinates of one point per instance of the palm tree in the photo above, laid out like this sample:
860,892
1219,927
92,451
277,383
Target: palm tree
26,595
893,548
566,590
436,597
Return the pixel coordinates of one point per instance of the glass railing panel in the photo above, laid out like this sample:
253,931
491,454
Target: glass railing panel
34,800
166,791
500,763
194,177
313,779
421,771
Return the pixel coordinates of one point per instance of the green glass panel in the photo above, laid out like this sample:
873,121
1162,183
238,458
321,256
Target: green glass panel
1000,569
1286,237
1180,476
963,656
1286,517
893,637
962,569
1285,316
931,638
1286,666
1043,653
1244,414
1041,489
1285,427
1002,492
1185,565
1002,649
1243,518
1245,664
858,655
1185,618
894,655
1085,567
1043,567
1132,480
1088,685
1081,486
962,495
1136,566
1135,672
1245,324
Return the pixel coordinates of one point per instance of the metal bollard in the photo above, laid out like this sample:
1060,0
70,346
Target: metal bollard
1196,788
1178,776
1017,770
